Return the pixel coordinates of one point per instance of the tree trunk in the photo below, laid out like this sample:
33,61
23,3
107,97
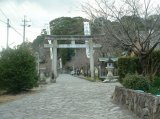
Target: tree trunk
143,64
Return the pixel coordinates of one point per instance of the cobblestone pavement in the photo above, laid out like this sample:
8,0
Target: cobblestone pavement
69,98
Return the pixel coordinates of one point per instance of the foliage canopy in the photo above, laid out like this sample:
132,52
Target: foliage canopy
66,26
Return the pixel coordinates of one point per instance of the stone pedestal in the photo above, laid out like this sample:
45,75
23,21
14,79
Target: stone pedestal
109,74
42,78
110,71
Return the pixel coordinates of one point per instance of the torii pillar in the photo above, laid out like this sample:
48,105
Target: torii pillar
91,59
54,62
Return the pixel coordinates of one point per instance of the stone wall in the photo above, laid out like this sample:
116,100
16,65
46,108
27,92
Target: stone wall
144,105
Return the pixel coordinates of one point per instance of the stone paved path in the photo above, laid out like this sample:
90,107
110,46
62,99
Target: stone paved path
69,98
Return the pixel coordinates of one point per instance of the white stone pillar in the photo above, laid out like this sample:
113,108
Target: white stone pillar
91,58
54,60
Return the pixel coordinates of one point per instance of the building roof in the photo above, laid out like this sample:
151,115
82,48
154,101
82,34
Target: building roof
106,59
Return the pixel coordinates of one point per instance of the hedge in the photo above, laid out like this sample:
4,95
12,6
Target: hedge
155,56
127,65
130,65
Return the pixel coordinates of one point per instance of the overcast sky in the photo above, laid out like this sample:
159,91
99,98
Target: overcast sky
39,12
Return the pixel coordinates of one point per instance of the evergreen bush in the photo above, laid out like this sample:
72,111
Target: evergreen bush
156,82
155,55
127,65
136,82
18,69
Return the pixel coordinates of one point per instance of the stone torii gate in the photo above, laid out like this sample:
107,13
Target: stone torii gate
88,44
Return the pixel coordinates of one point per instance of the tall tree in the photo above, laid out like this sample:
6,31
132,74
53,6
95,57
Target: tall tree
66,26
135,25
38,46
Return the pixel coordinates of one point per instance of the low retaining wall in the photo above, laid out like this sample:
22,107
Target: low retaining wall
144,105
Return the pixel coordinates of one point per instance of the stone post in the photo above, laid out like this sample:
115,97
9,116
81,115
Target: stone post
54,60
91,59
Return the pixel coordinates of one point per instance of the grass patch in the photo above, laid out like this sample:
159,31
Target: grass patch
97,79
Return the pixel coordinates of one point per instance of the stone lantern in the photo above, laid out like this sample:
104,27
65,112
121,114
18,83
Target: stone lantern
110,63
109,68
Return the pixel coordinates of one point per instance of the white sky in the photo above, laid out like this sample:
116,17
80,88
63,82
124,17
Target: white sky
39,12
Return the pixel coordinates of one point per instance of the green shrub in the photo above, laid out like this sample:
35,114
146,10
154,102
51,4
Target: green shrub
155,86
127,65
155,56
131,65
136,82
17,69
154,90
156,82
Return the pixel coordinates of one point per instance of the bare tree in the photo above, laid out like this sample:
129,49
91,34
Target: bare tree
79,60
134,24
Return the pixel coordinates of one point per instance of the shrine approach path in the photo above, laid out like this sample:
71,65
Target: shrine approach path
69,98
